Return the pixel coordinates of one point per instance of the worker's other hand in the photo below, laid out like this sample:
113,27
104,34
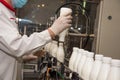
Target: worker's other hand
39,53
34,56
61,24
29,57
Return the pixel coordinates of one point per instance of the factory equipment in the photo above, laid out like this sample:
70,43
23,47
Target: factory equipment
107,29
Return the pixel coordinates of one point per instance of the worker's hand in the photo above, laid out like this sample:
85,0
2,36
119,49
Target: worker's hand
34,56
39,53
61,24
29,57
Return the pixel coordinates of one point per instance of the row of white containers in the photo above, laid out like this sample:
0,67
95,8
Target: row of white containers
98,68
82,62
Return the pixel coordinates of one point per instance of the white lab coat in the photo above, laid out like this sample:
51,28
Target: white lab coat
12,44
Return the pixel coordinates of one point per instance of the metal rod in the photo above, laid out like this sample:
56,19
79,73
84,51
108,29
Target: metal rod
81,41
81,35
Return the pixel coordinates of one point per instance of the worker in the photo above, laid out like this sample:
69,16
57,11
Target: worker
13,46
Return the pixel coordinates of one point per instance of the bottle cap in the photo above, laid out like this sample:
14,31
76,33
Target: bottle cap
90,54
65,11
75,48
98,57
84,53
81,51
115,62
107,60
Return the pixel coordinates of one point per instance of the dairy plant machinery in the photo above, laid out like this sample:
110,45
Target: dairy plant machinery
81,34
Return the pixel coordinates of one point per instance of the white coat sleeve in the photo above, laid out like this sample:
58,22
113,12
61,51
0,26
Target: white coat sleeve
14,44
18,45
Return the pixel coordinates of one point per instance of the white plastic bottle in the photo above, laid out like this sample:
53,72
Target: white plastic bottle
73,57
63,12
96,67
60,53
54,49
105,69
51,47
88,66
81,63
62,35
75,66
114,73
47,47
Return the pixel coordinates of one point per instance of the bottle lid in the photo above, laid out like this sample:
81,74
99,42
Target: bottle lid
98,57
84,53
75,48
90,54
115,62
81,51
107,60
65,11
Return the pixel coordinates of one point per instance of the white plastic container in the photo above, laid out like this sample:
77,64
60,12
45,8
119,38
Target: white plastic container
51,47
96,67
114,73
63,12
75,66
87,66
47,46
62,35
81,63
54,49
73,57
105,69
60,53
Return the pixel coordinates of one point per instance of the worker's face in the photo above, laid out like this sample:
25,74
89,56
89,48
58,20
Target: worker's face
18,3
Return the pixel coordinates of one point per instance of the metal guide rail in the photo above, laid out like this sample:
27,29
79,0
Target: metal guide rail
50,68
